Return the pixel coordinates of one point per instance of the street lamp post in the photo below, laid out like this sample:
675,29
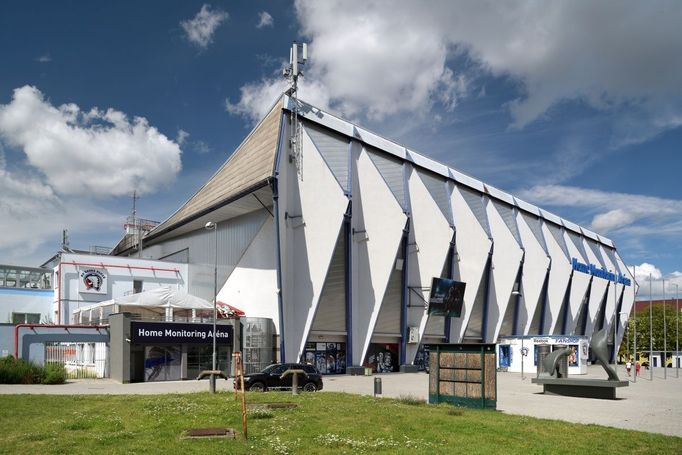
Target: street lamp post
634,321
214,226
665,339
677,331
651,333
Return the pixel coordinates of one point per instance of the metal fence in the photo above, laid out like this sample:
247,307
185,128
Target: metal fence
81,360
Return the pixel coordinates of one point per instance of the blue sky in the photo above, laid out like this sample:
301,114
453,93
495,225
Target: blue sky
574,106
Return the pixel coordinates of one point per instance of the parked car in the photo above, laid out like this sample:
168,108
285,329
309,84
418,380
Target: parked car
270,378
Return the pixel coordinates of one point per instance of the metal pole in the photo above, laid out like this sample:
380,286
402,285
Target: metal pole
651,333
523,357
677,330
665,339
215,304
616,318
634,312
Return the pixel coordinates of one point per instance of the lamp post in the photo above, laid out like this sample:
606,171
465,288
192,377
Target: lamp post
214,226
665,339
651,333
615,321
677,331
634,320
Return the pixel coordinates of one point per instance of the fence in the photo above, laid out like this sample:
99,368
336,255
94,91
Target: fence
81,360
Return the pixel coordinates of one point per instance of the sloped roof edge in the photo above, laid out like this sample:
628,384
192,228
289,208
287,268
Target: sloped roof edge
347,128
250,167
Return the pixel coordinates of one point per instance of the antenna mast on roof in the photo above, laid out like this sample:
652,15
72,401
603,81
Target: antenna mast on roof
291,73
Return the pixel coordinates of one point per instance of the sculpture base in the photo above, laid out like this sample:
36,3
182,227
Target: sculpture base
586,388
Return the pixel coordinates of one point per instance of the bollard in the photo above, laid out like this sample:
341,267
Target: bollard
294,384
377,386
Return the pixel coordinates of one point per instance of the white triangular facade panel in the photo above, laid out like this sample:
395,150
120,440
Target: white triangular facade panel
310,223
507,256
431,233
392,170
257,265
509,217
476,205
439,192
579,283
334,149
535,225
599,286
377,213
559,275
473,247
535,266
611,298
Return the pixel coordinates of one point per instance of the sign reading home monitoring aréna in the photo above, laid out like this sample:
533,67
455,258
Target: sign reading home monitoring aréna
593,270
170,332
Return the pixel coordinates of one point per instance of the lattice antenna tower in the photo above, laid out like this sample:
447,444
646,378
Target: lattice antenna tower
292,73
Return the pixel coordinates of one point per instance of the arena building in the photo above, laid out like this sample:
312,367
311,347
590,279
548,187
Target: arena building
335,233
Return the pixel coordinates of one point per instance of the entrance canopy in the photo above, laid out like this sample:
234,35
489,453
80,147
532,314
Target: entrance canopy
161,304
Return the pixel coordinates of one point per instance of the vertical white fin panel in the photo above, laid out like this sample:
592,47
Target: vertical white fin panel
558,276
432,234
534,270
376,212
473,246
505,266
314,216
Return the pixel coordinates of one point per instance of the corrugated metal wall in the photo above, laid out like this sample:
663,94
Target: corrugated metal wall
388,320
331,310
234,236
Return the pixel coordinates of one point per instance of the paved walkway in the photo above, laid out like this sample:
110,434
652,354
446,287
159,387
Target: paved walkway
651,406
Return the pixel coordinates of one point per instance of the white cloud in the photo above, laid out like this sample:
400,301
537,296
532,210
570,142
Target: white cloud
45,58
264,20
257,98
201,28
31,213
397,57
653,282
101,153
181,137
631,213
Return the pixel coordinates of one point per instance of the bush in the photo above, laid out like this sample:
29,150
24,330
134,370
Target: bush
19,371
54,373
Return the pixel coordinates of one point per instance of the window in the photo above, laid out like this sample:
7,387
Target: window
137,286
25,318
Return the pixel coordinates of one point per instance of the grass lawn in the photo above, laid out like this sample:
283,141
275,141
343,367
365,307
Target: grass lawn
323,423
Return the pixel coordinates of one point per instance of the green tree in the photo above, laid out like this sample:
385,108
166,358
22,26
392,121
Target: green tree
643,337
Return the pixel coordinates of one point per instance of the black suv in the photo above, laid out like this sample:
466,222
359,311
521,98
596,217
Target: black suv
270,378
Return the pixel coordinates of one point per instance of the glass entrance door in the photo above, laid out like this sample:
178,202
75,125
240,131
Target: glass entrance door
200,358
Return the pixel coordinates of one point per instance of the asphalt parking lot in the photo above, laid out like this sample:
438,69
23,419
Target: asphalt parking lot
648,405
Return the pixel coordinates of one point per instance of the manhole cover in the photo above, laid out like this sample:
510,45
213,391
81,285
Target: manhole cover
210,433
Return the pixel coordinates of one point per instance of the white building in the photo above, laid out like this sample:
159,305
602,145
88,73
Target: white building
81,280
335,234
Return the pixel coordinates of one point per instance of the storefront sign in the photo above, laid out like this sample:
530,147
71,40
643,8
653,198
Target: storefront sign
92,281
174,333
593,270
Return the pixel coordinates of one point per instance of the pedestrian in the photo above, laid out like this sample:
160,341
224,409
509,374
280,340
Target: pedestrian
628,366
637,367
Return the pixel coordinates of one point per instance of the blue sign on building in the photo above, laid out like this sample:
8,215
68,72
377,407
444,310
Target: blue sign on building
593,270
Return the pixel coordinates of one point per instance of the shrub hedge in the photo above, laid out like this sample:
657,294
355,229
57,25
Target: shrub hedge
19,371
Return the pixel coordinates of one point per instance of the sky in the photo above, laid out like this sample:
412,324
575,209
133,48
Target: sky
573,106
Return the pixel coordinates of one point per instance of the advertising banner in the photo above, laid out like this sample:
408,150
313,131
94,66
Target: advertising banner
175,333
447,298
